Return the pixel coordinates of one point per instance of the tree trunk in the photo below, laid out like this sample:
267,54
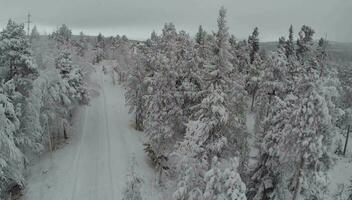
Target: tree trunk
160,174
113,77
65,133
267,110
297,181
346,141
50,142
253,97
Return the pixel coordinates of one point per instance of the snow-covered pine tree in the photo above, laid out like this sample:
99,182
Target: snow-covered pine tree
136,90
202,45
208,128
290,45
209,124
99,48
134,184
73,78
254,70
254,78
34,33
16,57
241,53
20,71
162,107
322,56
62,35
253,42
189,82
82,44
297,137
11,158
305,44
225,183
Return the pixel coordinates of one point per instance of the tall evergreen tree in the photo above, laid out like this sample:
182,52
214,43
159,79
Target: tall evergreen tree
290,45
16,57
253,42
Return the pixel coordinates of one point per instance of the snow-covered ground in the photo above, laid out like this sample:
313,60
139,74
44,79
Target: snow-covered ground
95,163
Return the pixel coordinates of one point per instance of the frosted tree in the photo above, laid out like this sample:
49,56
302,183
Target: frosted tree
290,45
241,52
254,72
82,44
162,109
254,78
345,77
62,35
135,91
189,81
73,78
200,35
219,182
21,70
99,48
298,133
208,129
209,124
203,45
34,33
16,57
11,158
322,56
253,42
168,42
134,184
224,183
305,43
153,41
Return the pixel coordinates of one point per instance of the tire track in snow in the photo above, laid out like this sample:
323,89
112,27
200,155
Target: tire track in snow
108,138
78,153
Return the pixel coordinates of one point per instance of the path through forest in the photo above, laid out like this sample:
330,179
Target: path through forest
95,163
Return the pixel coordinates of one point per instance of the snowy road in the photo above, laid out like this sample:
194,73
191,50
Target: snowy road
94,165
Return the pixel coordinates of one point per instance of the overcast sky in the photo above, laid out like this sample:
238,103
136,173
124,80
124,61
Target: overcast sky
138,18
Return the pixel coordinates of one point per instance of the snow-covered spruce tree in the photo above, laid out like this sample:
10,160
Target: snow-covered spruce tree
274,80
290,45
134,184
189,82
208,130
34,34
166,75
305,44
11,158
297,137
253,42
163,111
136,90
99,48
209,124
254,70
62,35
73,78
224,183
20,71
345,77
241,52
203,46
322,56
82,45
16,57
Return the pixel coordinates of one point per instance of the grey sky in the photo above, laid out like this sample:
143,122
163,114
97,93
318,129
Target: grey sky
137,18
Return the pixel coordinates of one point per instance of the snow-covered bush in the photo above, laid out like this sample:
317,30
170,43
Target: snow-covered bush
133,185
